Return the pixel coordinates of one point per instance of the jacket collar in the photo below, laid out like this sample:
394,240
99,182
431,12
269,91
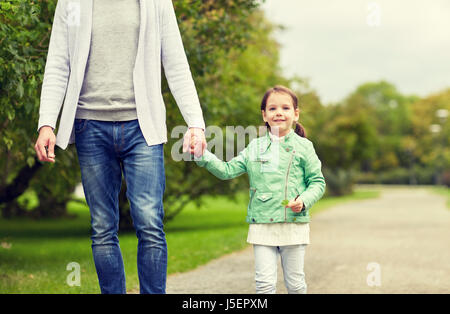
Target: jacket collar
266,141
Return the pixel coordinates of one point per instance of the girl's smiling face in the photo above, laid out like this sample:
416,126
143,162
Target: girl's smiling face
280,113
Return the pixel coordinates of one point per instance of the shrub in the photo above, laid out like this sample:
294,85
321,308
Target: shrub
339,181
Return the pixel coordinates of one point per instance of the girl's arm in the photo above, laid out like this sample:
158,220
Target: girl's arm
222,169
315,182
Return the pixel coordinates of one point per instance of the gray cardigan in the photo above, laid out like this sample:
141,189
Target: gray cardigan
159,41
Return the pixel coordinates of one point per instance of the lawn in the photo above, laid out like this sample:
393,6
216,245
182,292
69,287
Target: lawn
444,191
34,254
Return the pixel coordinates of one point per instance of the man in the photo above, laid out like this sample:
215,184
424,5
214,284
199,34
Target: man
104,61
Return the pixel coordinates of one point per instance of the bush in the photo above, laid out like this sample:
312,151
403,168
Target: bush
339,181
417,175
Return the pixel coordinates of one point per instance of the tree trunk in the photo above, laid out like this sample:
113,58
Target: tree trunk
10,192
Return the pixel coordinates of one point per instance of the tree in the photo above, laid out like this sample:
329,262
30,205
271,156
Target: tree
230,91
24,34
232,59
431,132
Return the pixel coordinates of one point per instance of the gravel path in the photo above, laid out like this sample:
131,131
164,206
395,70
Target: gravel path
400,241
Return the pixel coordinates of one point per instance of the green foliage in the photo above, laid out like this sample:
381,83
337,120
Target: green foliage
339,181
414,175
384,135
344,136
22,60
432,149
232,59
210,28
24,34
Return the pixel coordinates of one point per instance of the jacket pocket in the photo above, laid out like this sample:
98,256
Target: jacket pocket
264,197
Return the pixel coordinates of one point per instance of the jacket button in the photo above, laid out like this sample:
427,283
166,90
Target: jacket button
253,219
287,149
271,219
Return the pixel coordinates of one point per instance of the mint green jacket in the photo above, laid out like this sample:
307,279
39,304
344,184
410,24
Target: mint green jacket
276,171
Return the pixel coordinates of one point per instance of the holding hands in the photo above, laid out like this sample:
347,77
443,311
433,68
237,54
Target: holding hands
194,141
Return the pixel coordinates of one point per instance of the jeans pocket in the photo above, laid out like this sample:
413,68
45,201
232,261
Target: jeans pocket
80,125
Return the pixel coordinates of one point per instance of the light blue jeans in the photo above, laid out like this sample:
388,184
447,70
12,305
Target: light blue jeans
266,264
105,151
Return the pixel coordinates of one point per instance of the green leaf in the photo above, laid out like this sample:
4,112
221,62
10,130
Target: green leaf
285,202
8,142
30,161
11,114
20,90
5,5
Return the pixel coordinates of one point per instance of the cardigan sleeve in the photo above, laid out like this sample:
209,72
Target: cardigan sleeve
57,69
314,180
176,68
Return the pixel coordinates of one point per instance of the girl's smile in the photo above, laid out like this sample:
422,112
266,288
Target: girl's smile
280,113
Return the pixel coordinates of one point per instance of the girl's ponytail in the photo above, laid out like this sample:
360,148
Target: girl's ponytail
299,129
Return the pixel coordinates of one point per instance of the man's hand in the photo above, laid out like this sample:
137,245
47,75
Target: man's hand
194,142
45,144
296,205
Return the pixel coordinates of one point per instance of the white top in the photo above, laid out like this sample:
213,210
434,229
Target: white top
107,92
278,234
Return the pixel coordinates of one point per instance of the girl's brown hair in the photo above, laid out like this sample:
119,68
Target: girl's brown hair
299,129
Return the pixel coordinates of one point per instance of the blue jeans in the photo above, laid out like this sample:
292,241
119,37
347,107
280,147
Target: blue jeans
105,150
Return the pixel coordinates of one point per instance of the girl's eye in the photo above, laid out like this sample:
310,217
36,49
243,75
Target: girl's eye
271,109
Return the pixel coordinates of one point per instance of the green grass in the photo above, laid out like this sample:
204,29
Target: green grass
34,254
444,191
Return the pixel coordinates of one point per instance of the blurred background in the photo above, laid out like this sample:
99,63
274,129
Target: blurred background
380,73
373,79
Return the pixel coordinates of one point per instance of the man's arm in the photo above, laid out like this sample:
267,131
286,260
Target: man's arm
179,78
54,85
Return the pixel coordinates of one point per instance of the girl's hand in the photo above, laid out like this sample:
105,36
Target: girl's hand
296,205
194,141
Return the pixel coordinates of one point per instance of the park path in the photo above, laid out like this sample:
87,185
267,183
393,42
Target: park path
405,232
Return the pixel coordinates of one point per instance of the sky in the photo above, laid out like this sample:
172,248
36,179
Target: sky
339,44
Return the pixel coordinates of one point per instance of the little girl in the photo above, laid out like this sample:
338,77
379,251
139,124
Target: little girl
285,181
